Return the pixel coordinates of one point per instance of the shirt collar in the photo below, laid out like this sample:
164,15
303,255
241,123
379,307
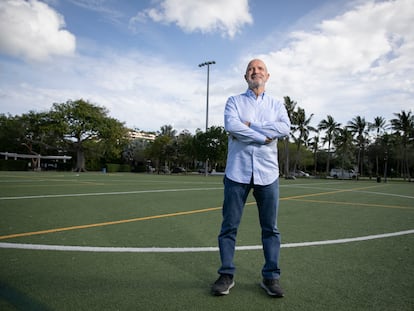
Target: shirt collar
250,93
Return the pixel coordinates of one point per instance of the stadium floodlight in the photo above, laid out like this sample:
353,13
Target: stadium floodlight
208,83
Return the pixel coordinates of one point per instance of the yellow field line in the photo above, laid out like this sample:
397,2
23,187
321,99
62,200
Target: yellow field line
117,222
325,193
353,203
300,198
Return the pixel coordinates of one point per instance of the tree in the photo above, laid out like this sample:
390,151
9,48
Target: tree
379,126
168,130
211,145
344,144
217,145
163,148
11,133
83,127
156,150
185,149
301,124
134,154
359,127
38,137
314,144
404,127
29,133
290,108
331,128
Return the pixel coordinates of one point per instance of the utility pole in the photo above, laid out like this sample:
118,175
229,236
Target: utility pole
208,85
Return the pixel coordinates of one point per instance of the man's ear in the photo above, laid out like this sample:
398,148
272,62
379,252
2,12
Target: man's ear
245,77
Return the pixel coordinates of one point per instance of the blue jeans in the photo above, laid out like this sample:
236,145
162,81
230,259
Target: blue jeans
267,199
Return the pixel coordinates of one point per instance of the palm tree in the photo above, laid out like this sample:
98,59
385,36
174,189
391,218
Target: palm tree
386,143
331,127
303,127
168,130
379,126
290,107
314,144
358,126
404,126
344,144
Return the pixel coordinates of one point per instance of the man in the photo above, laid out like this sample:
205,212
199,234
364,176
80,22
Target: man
254,122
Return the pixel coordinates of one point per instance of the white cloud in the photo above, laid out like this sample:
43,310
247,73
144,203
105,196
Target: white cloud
350,64
359,63
141,90
207,16
32,30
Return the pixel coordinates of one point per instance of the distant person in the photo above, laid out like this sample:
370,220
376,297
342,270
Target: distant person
254,121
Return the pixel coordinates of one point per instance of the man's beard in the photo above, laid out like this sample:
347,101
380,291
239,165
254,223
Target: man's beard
255,84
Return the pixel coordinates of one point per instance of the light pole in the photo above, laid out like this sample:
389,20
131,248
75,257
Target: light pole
208,83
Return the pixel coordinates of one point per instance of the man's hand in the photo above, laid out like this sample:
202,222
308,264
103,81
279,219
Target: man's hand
268,140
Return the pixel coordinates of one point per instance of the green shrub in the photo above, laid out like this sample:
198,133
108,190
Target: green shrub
115,167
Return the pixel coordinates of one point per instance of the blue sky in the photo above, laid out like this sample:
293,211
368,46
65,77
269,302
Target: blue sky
139,59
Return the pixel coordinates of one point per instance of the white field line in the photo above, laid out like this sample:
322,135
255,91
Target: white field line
387,194
188,249
185,189
305,186
105,193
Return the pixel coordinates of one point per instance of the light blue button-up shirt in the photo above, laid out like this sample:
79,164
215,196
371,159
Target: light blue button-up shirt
248,154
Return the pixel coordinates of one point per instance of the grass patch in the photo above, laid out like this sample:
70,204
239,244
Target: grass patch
141,210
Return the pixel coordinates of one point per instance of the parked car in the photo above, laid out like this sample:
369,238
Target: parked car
164,170
298,173
343,174
177,170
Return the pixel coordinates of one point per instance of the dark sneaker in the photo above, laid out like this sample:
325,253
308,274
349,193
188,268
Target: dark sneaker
223,285
272,287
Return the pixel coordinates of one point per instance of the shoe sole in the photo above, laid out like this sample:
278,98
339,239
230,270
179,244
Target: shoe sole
270,293
226,292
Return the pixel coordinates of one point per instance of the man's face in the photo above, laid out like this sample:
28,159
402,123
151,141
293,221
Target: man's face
256,74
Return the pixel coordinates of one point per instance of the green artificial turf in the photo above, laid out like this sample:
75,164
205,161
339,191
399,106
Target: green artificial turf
142,210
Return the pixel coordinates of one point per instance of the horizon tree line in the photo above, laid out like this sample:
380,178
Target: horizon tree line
95,139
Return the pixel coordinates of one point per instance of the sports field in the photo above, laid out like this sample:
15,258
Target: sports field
148,242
